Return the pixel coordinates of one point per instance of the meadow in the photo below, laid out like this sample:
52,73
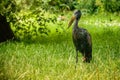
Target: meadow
53,57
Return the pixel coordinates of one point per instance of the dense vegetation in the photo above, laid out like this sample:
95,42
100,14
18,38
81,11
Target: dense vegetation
44,48
29,19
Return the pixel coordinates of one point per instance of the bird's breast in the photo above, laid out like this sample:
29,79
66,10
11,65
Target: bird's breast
78,34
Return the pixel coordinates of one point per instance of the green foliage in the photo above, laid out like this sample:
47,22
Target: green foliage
112,5
88,6
48,5
28,25
64,4
98,6
24,22
55,5
7,7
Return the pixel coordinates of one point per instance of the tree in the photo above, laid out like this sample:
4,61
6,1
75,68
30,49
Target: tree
5,30
6,7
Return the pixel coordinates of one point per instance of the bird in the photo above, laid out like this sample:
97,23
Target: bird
81,38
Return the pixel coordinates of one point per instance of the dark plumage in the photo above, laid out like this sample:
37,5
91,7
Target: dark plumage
81,38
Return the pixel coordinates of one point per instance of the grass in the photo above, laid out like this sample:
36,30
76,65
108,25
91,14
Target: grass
53,58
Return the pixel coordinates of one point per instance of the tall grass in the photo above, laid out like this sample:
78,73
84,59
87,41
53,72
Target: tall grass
53,58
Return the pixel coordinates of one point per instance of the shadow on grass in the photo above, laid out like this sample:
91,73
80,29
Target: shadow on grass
56,38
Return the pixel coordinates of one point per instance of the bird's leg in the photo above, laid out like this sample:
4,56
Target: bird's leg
76,58
87,57
84,57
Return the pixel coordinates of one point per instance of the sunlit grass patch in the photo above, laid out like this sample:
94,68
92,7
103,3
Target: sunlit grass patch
53,57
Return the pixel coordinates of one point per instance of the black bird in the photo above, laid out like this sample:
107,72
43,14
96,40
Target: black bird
81,38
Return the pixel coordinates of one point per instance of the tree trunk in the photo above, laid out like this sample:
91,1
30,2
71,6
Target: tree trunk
5,31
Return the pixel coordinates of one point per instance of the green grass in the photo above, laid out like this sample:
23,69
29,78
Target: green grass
53,58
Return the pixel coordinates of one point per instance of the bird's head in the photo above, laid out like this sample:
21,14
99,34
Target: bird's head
77,14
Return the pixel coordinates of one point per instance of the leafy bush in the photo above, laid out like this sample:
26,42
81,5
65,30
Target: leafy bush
88,6
111,5
24,22
31,24
8,7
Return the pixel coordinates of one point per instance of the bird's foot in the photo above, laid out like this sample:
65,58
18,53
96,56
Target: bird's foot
84,59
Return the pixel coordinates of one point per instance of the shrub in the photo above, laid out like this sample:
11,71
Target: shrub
111,5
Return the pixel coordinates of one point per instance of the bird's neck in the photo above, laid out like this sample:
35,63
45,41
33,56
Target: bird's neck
76,24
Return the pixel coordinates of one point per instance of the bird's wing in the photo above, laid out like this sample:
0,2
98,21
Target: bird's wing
89,39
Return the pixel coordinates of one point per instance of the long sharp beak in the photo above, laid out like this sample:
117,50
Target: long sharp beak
71,21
